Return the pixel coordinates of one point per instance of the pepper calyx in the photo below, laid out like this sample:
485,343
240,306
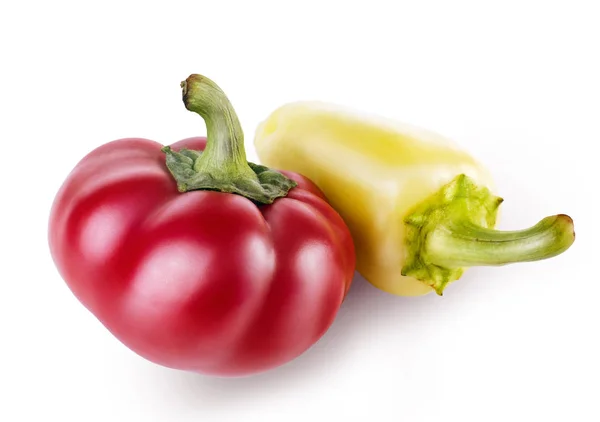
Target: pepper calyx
264,187
461,199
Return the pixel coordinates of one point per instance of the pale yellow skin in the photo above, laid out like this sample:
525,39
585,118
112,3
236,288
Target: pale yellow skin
373,172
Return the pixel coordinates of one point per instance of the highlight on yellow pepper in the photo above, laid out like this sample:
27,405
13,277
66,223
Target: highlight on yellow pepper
420,209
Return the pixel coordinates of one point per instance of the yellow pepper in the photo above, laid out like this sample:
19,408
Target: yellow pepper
420,209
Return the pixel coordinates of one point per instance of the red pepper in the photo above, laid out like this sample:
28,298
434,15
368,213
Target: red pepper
201,261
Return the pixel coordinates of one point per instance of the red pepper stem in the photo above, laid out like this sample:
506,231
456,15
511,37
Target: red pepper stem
225,138
222,166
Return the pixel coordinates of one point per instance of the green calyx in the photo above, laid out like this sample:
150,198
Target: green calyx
264,186
454,229
222,166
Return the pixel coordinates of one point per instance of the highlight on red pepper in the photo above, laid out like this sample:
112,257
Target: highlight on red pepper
196,259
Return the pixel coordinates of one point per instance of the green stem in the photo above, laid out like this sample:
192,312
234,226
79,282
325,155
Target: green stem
468,245
454,229
222,166
225,146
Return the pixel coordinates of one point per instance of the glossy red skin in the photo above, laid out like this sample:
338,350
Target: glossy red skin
201,281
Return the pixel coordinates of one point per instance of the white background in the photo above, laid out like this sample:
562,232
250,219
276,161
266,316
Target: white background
515,82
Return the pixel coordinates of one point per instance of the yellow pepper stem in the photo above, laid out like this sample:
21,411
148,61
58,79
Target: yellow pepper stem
454,229
468,245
